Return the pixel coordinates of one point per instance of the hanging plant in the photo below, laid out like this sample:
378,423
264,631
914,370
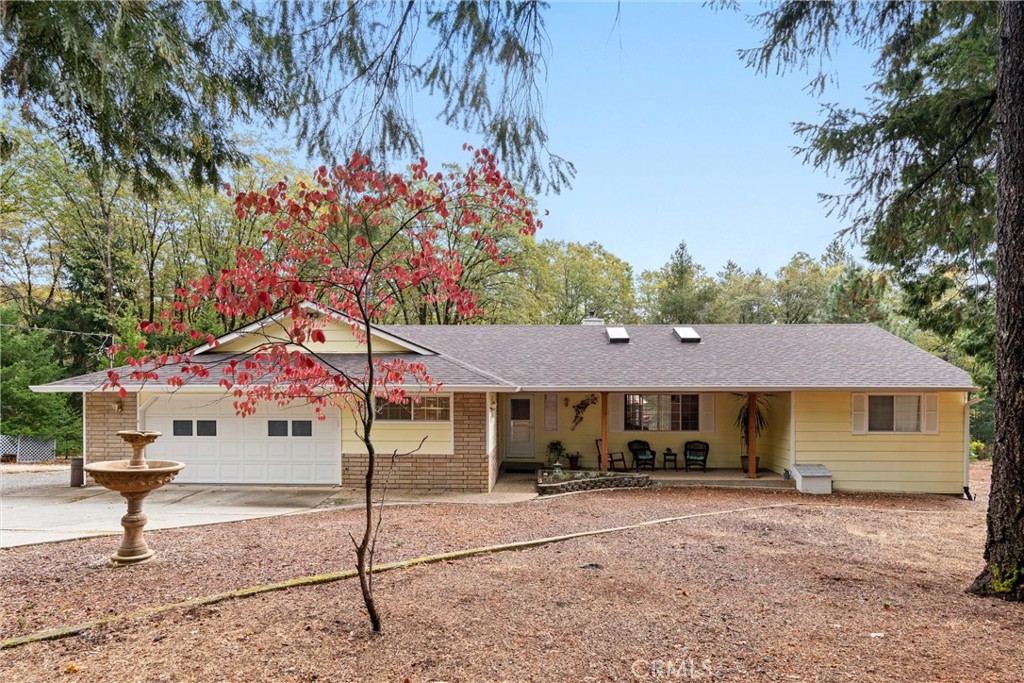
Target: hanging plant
580,408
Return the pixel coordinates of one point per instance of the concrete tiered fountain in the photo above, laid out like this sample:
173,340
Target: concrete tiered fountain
134,479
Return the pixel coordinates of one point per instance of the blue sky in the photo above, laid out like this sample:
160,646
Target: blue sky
674,138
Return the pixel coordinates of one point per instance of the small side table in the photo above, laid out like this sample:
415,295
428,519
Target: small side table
669,454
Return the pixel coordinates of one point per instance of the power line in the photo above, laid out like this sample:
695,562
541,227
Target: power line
54,329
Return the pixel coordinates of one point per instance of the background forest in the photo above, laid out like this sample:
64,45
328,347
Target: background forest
84,257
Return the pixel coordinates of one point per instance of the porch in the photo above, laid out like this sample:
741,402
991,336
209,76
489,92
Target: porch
721,477
530,424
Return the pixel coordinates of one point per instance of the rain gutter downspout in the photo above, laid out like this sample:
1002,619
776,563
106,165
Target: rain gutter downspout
967,445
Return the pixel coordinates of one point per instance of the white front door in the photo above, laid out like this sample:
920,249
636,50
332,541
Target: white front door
520,427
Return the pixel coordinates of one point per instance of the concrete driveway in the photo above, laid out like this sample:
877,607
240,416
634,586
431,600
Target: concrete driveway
40,506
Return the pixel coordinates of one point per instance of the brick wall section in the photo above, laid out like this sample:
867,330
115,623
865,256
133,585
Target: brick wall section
103,422
467,469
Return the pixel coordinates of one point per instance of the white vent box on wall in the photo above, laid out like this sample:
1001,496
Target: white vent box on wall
814,479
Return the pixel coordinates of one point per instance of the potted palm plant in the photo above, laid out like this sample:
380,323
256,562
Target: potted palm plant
742,423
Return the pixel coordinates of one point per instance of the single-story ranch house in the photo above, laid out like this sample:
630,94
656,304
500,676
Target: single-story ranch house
878,412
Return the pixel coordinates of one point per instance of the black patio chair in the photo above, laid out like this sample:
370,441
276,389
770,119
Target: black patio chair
643,456
695,453
616,461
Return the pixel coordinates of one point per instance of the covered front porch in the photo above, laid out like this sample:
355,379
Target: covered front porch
533,425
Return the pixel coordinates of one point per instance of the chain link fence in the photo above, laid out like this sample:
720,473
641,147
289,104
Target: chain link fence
27,448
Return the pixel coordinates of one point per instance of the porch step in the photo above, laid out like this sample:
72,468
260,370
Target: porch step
723,479
520,467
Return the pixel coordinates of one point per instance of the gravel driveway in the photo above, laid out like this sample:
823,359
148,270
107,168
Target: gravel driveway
20,482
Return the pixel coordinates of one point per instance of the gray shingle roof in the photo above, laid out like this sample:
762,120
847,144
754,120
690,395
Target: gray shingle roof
440,369
728,357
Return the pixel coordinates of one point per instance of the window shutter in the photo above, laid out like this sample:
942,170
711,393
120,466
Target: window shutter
860,413
616,418
707,413
930,414
550,412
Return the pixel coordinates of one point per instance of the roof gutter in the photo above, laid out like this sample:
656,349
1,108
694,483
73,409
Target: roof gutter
737,389
162,388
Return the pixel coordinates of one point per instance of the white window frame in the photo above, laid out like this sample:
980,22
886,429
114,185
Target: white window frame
928,422
701,412
413,405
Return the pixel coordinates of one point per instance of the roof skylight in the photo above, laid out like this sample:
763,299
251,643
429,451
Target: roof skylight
617,335
687,335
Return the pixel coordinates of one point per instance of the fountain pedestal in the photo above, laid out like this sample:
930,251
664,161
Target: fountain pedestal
134,479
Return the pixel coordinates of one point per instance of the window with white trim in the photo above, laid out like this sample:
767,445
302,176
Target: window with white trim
427,409
897,413
661,412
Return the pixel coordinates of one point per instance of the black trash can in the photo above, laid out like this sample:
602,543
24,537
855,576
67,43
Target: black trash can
77,472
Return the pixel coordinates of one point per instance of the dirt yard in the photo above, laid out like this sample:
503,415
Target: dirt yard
843,588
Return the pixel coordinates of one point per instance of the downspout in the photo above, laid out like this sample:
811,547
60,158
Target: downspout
967,445
140,411
85,430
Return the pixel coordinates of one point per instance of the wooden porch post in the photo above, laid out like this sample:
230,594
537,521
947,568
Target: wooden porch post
751,436
603,455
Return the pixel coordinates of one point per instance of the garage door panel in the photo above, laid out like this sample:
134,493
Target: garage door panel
280,471
278,448
229,428
231,451
241,451
206,471
255,472
231,473
253,427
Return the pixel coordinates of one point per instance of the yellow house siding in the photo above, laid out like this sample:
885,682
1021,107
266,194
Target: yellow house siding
394,435
773,447
339,339
579,440
920,463
462,466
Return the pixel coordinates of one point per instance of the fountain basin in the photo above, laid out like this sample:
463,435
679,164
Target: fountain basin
121,476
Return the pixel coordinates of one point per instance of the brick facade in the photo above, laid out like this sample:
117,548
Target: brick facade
468,468
102,423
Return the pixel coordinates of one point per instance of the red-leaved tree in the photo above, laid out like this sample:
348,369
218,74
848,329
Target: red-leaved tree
341,248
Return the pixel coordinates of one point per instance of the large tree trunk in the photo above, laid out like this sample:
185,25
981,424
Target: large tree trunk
1003,575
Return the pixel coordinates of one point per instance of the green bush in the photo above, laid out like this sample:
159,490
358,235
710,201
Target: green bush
979,450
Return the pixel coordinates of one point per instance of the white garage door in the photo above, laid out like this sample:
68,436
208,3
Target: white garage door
274,446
